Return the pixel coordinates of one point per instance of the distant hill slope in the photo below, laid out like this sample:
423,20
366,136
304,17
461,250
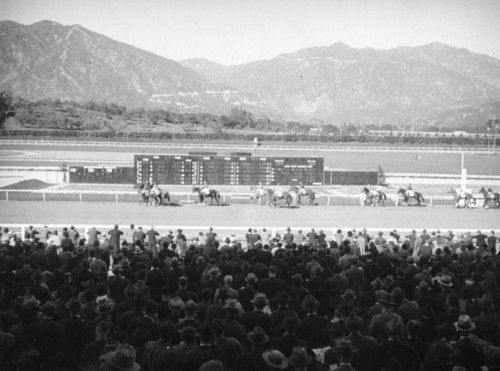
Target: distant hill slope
416,86
341,84
48,60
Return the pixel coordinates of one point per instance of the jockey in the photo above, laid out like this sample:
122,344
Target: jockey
409,190
205,189
302,190
279,191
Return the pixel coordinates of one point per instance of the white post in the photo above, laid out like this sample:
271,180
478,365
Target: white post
463,178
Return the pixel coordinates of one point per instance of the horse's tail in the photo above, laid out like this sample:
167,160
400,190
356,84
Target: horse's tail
383,196
166,196
421,197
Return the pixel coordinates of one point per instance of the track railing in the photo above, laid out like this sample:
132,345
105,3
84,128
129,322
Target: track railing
275,146
181,197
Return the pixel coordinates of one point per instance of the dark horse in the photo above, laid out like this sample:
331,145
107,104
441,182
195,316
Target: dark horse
151,195
212,194
489,195
408,194
273,198
370,195
306,192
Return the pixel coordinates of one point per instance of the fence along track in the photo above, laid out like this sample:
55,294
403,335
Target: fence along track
273,147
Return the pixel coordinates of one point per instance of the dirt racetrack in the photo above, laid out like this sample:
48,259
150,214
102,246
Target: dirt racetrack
238,218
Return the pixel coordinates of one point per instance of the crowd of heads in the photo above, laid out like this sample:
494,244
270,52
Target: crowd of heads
135,299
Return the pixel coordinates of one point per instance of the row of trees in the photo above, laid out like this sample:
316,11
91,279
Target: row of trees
57,118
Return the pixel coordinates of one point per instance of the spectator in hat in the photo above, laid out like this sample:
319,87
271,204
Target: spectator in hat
7,341
205,351
468,348
123,358
288,340
189,342
271,285
217,309
229,348
377,323
492,358
96,348
300,359
313,327
143,328
413,339
232,326
48,336
258,316
114,239
158,353
75,330
247,292
440,357
275,360
487,321
252,359
362,360
394,352
117,284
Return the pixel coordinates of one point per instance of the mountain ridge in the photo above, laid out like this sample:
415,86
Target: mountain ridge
333,84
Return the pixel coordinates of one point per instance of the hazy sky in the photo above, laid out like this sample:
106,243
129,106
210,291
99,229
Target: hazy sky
239,31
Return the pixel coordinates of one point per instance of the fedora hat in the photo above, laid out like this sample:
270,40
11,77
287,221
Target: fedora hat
299,357
484,302
260,299
49,308
188,332
388,280
214,272
122,358
349,295
345,347
31,301
445,280
310,303
317,269
423,286
231,304
377,284
176,304
74,305
258,336
386,298
251,278
353,322
275,359
104,305
464,323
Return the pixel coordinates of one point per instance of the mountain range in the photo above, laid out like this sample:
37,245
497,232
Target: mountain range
432,84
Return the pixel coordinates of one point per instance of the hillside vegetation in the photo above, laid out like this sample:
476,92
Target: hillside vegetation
56,118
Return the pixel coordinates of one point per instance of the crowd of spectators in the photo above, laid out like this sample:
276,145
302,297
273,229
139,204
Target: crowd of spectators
137,299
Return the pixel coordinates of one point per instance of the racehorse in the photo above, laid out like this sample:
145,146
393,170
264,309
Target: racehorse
489,195
144,193
286,196
151,195
258,192
306,192
157,197
465,195
212,194
407,194
379,196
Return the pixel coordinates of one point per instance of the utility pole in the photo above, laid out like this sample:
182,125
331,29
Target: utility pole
495,123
